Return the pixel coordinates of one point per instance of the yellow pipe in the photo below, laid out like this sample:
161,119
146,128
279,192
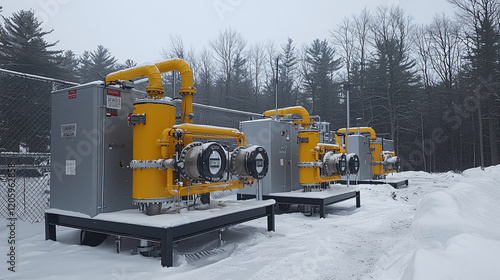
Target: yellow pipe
370,130
204,131
183,68
326,178
191,136
212,130
187,89
306,120
166,141
170,185
326,146
211,187
154,88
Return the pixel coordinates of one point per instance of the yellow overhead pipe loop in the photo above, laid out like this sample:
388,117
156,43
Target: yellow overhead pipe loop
154,89
332,147
200,130
187,89
183,68
306,120
370,130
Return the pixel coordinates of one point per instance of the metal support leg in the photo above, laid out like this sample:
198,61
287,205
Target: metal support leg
50,229
270,218
167,240
118,243
358,199
322,210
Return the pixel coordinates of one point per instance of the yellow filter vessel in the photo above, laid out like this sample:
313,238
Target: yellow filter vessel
308,140
376,147
150,117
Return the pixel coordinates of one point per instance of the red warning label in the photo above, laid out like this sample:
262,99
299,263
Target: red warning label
72,94
114,92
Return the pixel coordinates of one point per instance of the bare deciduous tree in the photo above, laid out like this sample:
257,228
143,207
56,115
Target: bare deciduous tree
177,49
344,38
445,49
228,48
257,60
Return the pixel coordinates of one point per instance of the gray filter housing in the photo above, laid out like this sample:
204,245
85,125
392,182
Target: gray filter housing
279,139
360,145
91,147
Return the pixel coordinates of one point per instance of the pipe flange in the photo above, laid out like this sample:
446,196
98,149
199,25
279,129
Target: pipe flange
306,186
234,154
327,158
145,164
162,164
305,164
324,168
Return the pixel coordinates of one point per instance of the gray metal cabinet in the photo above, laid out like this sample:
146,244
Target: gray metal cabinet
91,147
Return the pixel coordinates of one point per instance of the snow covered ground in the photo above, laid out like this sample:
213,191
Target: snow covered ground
443,226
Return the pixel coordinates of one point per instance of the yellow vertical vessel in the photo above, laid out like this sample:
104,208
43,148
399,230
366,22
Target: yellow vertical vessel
149,118
308,140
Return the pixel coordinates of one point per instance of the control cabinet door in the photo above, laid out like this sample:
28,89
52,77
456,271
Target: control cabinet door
117,149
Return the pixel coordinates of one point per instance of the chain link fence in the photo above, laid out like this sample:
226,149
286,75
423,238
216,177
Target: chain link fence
25,144
25,108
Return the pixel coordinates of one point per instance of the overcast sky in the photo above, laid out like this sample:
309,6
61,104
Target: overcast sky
139,30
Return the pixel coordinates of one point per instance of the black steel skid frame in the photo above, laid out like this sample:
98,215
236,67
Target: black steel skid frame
321,202
165,235
396,184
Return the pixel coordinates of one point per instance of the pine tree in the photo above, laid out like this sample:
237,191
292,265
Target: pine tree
95,65
480,24
241,85
129,63
392,84
318,74
69,65
287,88
24,49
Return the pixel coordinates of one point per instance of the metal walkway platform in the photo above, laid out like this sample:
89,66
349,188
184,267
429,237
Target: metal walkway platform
164,228
335,194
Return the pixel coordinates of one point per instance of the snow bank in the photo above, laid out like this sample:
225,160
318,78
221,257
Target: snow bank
450,235
456,231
